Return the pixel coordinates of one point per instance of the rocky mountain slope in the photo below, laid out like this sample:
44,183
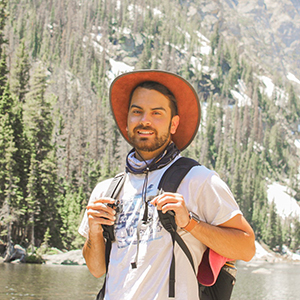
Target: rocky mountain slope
268,31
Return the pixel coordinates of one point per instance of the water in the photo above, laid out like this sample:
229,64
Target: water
47,282
267,282
50,282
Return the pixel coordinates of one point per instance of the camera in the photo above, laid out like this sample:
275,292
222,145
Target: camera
115,205
108,230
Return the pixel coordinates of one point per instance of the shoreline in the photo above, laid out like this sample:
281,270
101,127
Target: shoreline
262,255
73,257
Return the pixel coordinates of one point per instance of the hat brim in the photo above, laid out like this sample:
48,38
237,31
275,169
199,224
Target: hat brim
187,99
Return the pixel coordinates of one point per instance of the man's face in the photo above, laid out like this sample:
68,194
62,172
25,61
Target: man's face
149,122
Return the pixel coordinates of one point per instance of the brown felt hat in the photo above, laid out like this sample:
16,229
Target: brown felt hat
187,99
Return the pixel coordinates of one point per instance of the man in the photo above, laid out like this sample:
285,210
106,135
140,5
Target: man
158,113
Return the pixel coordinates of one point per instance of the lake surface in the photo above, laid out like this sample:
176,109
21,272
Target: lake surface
267,282
53,282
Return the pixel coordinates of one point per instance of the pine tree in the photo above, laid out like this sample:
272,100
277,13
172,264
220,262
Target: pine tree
165,60
293,105
36,36
19,79
255,128
13,177
9,213
237,127
271,231
237,183
145,58
10,190
246,127
42,182
3,42
295,244
70,210
154,58
234,72
276,144
259,220
19,86
6,118
279,235
210,131
215,38
3,72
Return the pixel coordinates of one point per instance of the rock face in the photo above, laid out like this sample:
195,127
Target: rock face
268,31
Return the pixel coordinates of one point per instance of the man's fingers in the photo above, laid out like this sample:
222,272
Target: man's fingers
101,220
160,198
170,206
167,198
108,213
102,204
99,212
104,200
100,208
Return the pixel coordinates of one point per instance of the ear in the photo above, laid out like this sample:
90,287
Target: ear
174,124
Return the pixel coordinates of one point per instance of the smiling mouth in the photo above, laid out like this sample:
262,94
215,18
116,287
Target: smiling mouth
145,132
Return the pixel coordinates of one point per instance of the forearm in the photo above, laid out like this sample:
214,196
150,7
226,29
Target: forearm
232,243
94,254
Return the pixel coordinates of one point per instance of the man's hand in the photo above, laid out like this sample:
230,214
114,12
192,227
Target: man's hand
175,202
99,213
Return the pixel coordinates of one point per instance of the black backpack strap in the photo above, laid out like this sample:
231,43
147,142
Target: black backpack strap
175,173
101,293
115,186
112,192
169,183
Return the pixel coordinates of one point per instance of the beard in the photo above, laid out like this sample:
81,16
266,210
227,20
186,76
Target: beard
144,143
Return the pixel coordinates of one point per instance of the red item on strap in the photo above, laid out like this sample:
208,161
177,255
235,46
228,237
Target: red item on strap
210,266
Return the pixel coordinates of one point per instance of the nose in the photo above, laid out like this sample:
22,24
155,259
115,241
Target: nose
145,120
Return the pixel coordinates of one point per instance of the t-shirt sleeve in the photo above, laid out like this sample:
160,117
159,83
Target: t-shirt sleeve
99,191
209,196
219,204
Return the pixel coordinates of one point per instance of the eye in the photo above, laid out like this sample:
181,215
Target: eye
136,111
157,113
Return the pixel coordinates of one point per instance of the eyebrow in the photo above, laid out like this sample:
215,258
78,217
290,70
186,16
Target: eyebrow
155,108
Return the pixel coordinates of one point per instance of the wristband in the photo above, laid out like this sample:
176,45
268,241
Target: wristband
194,220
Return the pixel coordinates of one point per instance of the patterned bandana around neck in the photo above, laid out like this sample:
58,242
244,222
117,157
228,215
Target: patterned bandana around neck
142,167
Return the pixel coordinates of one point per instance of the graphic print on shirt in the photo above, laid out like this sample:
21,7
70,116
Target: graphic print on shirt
131,211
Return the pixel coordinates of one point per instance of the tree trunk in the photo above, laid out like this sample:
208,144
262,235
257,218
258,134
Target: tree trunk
32,232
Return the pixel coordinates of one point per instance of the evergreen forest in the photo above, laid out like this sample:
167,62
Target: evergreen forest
58,137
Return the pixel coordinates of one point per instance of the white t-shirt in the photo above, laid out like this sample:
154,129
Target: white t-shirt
204,193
